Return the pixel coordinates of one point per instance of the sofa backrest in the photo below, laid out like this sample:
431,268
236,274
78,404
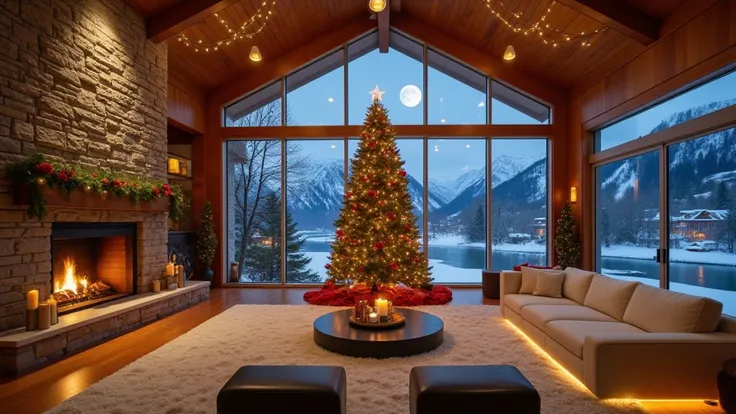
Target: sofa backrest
664,311
576,284
610,296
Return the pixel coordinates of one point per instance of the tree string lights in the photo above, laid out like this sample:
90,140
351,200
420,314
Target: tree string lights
549,35
376,241
249,29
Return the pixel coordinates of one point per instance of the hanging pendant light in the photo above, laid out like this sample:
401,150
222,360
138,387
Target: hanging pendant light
509,54
377,5
255,54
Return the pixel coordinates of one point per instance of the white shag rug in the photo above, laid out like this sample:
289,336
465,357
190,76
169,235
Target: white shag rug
185,375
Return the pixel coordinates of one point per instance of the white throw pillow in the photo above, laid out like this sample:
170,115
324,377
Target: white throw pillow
549,284
528,280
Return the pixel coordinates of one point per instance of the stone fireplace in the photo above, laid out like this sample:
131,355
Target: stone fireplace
92,263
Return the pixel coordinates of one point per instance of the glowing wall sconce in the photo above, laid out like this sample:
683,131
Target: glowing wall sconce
573,195
174,167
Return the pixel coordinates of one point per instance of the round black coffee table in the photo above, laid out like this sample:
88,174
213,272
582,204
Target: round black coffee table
422,332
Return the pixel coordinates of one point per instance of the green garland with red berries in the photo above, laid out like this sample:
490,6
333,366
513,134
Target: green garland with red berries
36,171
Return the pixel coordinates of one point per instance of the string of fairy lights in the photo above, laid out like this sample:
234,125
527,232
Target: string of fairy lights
548,34
248,30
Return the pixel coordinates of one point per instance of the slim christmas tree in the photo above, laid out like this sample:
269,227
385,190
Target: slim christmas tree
376,241
567,242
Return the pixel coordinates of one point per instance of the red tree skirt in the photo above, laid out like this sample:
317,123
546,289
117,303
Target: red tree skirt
338,295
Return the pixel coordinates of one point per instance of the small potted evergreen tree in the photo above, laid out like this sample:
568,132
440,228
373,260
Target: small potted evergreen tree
206,241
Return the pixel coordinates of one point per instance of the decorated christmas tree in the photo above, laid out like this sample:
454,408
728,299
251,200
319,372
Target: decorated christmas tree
567,242
376,242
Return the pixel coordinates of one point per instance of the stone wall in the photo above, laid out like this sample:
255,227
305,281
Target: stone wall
78,82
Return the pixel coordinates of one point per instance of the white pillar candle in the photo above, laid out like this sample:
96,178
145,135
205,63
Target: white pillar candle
54,308
372,317
382,307
44,316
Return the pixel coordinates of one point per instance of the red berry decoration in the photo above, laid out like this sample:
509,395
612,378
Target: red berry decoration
402,173
378,246
373,193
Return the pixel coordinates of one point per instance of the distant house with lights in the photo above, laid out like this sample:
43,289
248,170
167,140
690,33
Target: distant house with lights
699,224
540,227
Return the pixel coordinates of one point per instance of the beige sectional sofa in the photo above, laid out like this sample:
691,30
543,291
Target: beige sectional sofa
624,339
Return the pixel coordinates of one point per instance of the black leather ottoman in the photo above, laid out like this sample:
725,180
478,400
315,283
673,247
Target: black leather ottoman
471,389
284,389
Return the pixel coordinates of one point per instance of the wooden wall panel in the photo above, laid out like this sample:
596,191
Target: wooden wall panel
186,104
704,45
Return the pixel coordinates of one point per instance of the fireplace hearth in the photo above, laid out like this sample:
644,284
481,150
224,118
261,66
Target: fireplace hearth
92,263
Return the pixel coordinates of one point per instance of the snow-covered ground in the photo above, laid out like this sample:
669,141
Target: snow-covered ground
676,255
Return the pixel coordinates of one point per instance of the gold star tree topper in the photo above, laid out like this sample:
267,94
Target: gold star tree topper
376,94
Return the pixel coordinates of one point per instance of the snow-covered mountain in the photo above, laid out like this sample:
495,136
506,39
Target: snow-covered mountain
506,167
695,166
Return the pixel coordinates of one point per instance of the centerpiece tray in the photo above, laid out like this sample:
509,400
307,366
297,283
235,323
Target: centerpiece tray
395,320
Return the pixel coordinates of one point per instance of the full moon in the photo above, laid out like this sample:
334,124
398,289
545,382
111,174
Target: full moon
410,96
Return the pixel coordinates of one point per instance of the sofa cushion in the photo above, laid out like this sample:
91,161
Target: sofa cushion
609,296
576,284
549,284
664,311
539,315
516,302
529,279
571,334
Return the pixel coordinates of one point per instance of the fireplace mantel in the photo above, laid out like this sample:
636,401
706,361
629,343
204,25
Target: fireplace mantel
89,201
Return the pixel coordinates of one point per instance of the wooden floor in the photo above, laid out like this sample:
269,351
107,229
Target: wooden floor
46,388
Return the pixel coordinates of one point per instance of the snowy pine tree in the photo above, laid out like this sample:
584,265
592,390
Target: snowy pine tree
475,232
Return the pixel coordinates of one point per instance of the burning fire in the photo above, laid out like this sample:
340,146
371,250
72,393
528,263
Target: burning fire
71,281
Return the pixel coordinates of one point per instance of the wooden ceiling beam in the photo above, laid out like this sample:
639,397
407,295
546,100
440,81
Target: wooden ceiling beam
180,16
619,16
395,6
384,29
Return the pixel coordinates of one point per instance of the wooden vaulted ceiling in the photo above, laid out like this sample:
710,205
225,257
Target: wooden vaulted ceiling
633,25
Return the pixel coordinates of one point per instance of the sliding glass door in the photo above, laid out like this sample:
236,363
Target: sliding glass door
702,217
628,219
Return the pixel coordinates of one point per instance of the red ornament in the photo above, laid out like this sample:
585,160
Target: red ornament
372,144
378,246
354,207
415,259
390,215
105,181
372,193
45,168
402,173
361,269
394,266
328,266
340,233
348,195
117,184
407,227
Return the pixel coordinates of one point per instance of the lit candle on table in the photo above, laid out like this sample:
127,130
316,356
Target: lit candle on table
382,307
372,317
